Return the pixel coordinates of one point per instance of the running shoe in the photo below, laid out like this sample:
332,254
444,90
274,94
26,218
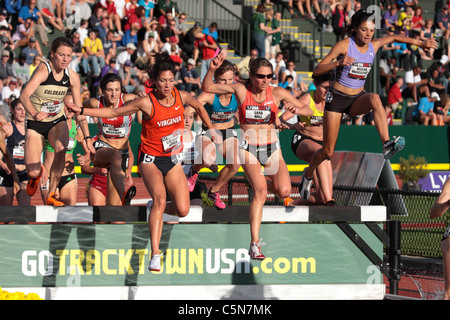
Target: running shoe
215,197
155,263
287,202
54,201
305,185
393,146
255,250
33,184
126,200
331,203
192,180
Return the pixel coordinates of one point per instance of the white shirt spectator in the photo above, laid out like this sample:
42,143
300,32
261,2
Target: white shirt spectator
410,78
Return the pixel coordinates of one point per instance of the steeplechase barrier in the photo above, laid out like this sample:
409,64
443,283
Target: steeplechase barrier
85,252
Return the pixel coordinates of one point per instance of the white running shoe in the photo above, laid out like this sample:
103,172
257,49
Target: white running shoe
393,146
255,250
155,263
305,185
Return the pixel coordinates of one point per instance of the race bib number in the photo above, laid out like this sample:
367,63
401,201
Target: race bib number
221,116
18,152
111,131
257,114
52,108
359,70
171,141
148,159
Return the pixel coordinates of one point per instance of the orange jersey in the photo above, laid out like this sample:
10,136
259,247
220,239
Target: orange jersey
162,134
252,112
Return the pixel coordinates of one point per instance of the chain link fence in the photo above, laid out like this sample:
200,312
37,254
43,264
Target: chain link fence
420,235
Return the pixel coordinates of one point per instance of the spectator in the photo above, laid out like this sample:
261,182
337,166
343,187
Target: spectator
129,75
36,61
102,28
93,54
136,18
339,21
120,8
278,64
388,71
11,91
442,19
404,54
21,70
427,32
212,30
96,18
77,52
191,80
110,46
4,19
395,95
24,32
46,9
85,10
145,48
444,73
30,11
424,111
390,19
5,68
125,55
170,44
164,7
435,83
169,32
243,65
187,43
290,71
389,50
110,9
110,67
83,30
131,36
273,36
207,47
258,30
149,7
415,85
13,7
181,25
30,51
417,22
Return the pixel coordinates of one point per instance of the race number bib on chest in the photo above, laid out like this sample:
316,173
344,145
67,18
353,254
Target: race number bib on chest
257,114
221,116
171,141
359,70
52,108
112,131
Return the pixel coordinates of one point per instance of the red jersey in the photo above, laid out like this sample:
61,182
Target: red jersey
114,128
207,53
162,134
394,94
252,112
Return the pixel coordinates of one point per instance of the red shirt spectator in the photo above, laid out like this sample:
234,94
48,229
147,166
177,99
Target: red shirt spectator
203,44
394,94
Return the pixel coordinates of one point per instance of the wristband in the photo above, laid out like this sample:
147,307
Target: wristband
82,110
88,137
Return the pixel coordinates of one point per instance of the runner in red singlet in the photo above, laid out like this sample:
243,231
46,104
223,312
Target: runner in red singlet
112,144
160,151
259,146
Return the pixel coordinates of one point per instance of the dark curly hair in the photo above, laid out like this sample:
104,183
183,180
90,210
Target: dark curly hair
163,62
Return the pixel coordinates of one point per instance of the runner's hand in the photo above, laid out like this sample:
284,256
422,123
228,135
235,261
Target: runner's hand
345,61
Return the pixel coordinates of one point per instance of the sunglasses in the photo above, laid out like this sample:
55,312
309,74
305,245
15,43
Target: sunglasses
262,76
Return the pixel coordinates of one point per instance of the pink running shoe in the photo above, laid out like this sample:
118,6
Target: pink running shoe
192,180
255,250
215,196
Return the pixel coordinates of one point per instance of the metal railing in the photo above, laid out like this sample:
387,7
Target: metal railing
232,28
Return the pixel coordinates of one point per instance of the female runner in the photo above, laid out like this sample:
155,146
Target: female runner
112,145
67,186
259,146
43,98
308,138
15,135
221,110
159,154
353,58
